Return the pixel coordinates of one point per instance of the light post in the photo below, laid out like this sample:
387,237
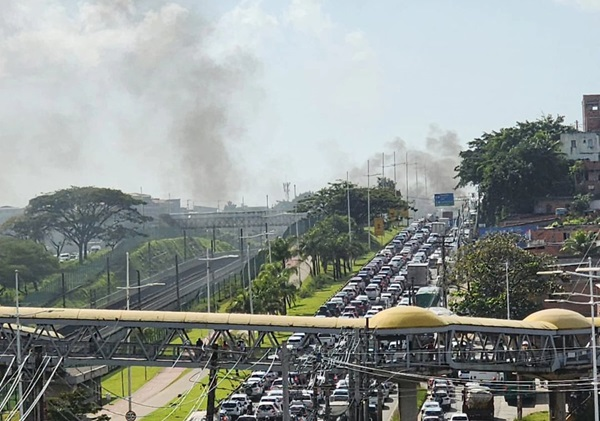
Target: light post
19,359
128,288
592,304
249,273
209,259
507,292
348,205
369,175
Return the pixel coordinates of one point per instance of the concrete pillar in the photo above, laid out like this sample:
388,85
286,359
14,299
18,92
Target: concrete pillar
407,400
557,403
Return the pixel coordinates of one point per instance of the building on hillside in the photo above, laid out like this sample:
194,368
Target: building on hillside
591,113
585,145
551,240
581,146
549,205
155,207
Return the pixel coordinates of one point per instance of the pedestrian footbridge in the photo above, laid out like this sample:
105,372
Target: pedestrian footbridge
549,343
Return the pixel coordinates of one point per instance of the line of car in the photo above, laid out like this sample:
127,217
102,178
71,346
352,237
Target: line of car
380,284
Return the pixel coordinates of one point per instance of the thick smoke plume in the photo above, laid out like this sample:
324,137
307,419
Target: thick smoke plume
430,169
117,92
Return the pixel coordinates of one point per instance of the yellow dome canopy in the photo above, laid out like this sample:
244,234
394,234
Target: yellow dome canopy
561,318
405,317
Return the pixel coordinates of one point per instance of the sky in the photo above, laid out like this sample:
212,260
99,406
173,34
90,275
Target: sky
214,101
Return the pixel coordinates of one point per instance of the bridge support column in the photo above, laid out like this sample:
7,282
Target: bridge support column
557,404
407,400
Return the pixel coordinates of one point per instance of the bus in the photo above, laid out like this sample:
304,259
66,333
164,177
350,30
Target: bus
428,296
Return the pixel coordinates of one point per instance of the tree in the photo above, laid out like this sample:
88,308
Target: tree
82,214
74,406
581,243
333,200
272,291
514,166
481,268
328,243
581,203
38,230
281,249
31,259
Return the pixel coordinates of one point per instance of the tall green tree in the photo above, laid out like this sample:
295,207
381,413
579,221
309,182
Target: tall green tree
82,214
513,166
333,200
31,259
581,243
328,243
480,273
282,249
272,291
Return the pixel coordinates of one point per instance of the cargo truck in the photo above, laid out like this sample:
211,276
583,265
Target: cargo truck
418,274
478,403
439,228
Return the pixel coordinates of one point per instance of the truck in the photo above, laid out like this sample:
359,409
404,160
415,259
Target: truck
428,296
478,402
439,228
418,274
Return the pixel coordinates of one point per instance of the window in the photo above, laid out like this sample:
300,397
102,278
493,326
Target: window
595,107
573,144
591,143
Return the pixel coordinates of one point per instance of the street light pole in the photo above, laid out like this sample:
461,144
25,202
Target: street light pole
208,279
348,205
19,351
249,278
594,350
127,297
507,292
369,204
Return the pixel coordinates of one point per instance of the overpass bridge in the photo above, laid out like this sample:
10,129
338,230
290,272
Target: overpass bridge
549,344
237,219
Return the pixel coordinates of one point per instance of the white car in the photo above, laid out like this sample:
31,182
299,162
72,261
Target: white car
268,409
370,313
430,404
232,408
459,416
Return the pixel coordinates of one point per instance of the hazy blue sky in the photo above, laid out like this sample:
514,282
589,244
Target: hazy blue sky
215,101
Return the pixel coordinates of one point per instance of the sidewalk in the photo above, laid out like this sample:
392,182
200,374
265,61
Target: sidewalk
303,266
157,393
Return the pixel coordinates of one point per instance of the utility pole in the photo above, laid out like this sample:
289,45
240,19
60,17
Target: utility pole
369,205
366,378
177,283
395,180
212,383
348,205
285,376
353,392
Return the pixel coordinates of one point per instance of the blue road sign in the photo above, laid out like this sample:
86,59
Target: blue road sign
443,199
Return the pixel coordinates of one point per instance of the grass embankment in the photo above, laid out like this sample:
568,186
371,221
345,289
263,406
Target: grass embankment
115,383
536,416
195,399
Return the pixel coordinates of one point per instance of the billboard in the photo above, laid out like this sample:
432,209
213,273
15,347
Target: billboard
442,200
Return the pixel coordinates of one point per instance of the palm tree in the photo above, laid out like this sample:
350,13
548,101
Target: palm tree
581,243
281,249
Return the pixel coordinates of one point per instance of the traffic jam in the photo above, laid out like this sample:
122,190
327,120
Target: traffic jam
402,274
